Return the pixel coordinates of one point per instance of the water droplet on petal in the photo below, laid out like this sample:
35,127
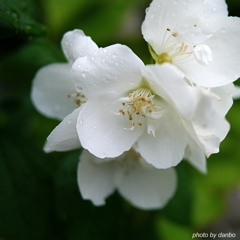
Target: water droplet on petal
114,56
83,74
79,88
81,121
94,126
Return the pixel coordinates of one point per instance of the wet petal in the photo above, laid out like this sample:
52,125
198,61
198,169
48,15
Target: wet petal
76,44
108,72
225,47
103,132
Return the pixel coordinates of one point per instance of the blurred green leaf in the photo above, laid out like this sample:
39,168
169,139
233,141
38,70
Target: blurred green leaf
21,15
179,208
170,230
25,189
223,175
102,20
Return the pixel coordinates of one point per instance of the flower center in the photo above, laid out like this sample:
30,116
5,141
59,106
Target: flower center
182,46
79,98
171,48
138,105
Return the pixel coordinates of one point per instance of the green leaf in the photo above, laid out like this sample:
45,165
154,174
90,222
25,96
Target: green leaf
21,16
170,230
179,207
25,190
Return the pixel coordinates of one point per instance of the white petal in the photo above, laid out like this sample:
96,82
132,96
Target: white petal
225,98
195,155
167,148
76,44
50,89
95,180
64,137
208,127
236,92
202,54
191,34
215,8
148,188
225,47
163,14
167,82
108,72
102,132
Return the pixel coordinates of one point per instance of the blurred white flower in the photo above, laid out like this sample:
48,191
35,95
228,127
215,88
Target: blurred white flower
140,183
54,94
196,36
153,106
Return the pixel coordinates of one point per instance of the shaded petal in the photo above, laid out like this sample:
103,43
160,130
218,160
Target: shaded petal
167,148
225,47
168,82
147,187
103,132
195,155
208,127
76,44
224,99
64,137
95,180
51,86
108,72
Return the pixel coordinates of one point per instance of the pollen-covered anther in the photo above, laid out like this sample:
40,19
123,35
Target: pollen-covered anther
175,34
78,98
138,105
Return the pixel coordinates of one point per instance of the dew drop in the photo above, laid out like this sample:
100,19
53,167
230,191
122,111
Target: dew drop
94,126
79,88
81,121
69,121
114,56
83,75
106,142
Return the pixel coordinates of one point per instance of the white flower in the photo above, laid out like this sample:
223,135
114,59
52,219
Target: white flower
152,106
207,128
197,36
143,185
54,94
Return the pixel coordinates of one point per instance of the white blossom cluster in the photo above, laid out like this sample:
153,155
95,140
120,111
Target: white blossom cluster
136,122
